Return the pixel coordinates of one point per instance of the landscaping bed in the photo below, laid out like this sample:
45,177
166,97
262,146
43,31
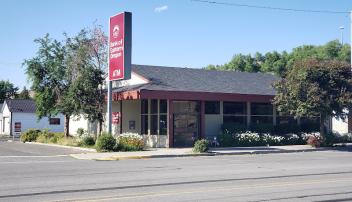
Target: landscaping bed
104,143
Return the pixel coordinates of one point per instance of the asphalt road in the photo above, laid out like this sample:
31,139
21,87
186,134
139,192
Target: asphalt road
311,176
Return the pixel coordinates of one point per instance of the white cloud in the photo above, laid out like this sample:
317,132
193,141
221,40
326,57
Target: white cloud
161,9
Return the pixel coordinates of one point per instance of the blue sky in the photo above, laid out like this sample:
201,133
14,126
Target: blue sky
170,32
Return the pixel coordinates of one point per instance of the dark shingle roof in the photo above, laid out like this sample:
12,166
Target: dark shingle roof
19,105
201,80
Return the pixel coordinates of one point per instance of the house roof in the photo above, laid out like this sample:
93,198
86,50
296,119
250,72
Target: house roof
21,105
201,80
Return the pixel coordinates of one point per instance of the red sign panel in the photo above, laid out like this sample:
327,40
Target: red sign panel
115,118
120,46
17,126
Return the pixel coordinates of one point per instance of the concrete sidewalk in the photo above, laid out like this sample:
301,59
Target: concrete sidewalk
184,152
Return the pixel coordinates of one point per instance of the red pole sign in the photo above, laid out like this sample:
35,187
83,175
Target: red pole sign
120,46
115,118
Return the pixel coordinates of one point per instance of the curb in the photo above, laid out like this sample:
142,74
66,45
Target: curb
116,158
63,146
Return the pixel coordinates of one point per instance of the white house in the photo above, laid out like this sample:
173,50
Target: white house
1,122
18,115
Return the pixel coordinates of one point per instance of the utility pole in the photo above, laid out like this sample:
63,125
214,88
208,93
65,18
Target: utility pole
342,28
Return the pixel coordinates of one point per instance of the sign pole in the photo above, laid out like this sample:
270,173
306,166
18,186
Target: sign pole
109,107
119,56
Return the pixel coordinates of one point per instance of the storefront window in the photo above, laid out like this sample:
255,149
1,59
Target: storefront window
154,106
261,109
144,121
154,124
212,107
163,125
236,120
235,108
163,106
157,116
144,106
261,114
235,113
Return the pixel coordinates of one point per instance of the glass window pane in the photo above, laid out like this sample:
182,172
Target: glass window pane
261,109
238,108
154,106
212,107
186,106
154,124
163,106
286,120
163,125
238,120
144,106
144,121
262,120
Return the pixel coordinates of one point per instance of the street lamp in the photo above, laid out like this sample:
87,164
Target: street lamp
342,28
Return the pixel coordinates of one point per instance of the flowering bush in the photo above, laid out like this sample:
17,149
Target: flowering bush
272,139
315,141
130,142
248,139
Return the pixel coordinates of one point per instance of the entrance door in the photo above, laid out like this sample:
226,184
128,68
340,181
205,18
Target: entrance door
186,123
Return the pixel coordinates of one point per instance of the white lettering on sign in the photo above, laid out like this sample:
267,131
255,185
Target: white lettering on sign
116,49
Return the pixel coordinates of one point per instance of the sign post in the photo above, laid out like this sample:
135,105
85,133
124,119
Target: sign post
120,52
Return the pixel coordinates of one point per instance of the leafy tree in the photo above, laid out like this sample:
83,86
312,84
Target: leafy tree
7,90
24,94
281,63
315,88
88,56
67,76
49,73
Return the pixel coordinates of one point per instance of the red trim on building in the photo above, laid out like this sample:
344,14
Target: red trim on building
205,96
128,95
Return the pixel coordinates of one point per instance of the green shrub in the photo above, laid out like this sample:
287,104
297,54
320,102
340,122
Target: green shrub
200,146
226,140
88,141
233,128
80,132
105,142
68,141
130,142
49,137
30,135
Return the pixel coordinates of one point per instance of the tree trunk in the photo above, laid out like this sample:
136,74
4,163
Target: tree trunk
322,126
100,127
67,125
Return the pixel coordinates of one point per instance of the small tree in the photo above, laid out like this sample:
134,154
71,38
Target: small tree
24,94
67,76
316,88
7,90
49,73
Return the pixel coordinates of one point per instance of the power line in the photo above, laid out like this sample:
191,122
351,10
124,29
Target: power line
271,8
